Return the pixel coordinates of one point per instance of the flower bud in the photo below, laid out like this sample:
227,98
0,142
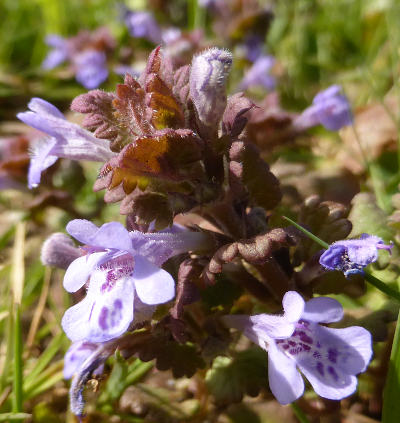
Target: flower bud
207,84
59,251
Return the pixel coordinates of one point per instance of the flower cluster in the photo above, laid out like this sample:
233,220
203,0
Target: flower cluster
174,147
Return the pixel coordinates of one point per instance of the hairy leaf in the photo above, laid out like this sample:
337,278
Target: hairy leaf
235,116
325,219
100,119
249,169
186,290
167,155
255,250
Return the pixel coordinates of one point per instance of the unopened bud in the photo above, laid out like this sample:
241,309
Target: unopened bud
208,76
59,251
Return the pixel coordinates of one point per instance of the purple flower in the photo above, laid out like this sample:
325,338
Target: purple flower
65,139
143,25
82,360
329,358
258,75
208,77
352,255
58,54
125,278
330,108
90,68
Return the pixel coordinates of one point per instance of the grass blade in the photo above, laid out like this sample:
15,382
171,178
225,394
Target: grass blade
17,282
391,394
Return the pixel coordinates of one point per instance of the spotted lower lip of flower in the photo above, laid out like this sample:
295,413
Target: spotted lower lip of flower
118,280
123,270
65,139
329,358
351,256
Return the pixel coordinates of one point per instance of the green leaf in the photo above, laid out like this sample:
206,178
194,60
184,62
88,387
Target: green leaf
116,383
366,216
230,379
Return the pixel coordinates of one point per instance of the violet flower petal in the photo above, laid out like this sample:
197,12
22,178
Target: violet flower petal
258,74
75,321
322,310
43,107
73,142
285,381
112,235
142,24
354,346
105,313
91,68
76,356
333,386
153,285
293,306
332,257
54,58
41,159
58,54
362,253
79,270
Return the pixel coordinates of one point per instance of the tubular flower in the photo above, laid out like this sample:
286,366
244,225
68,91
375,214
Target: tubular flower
125,278
329,358
352,255
65,139
330,108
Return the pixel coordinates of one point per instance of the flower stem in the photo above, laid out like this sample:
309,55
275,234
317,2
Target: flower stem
319,241
299,413
377,283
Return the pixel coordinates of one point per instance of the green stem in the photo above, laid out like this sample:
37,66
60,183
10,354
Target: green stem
192,12
377,283
17,397
319,241
299,413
